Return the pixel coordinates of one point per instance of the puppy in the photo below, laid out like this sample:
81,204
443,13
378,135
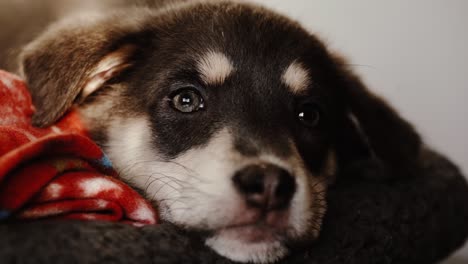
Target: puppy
232,118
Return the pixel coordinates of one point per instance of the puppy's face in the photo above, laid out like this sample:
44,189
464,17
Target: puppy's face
229,117
229,131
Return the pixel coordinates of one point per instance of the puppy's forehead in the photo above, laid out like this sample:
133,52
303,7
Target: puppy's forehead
296,77
214,67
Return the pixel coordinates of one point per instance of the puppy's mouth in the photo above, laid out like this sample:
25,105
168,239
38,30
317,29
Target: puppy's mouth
253,233
265,227
258,236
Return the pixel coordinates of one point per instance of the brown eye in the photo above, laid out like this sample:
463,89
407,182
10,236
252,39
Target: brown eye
309,114
187,100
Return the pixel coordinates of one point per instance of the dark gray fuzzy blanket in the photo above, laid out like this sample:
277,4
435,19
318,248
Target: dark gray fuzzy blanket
416,220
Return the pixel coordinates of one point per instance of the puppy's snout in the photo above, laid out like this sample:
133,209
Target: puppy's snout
267,187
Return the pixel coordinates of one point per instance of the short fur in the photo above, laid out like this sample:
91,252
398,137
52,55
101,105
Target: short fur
121,69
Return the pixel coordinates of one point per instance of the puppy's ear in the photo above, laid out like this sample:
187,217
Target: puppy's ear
73,59
373,133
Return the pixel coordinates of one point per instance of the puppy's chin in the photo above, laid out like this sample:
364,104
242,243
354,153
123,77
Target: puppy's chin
247,244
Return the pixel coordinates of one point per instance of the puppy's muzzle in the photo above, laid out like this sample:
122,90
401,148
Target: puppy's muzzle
265,187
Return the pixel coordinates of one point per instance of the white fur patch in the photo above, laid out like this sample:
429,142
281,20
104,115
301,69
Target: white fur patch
214,67
242,252
296,77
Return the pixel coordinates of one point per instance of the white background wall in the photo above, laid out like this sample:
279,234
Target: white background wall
412,52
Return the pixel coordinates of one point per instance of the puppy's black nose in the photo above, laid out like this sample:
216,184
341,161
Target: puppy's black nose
265,186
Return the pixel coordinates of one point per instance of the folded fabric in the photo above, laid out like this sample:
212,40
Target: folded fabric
57,172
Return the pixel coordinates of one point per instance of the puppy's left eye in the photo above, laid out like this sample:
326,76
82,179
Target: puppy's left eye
187,100
309,114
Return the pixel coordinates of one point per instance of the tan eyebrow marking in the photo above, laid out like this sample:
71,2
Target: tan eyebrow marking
296,77
214,67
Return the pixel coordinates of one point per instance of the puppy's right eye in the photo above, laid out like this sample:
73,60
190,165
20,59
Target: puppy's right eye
309,114
187,100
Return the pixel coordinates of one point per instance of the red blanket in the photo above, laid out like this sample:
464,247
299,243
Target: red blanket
57,172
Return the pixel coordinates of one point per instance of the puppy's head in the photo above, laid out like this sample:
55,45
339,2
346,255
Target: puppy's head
232,118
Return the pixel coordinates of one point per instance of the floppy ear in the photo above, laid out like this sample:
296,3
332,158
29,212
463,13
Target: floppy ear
373,131
74,59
